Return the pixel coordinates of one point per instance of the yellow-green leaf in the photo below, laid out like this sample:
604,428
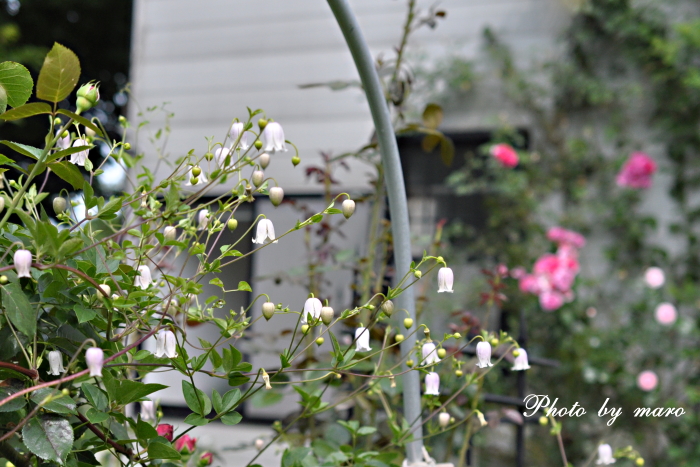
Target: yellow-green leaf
69,173
58,75
432,116
17,83
26,110
447,151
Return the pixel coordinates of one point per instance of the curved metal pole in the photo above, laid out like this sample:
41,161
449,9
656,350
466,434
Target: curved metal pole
398,206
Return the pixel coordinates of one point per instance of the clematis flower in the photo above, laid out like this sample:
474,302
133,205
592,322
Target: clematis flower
505,154
666,314
430,356
94,358
432,384
266,379
169,232
445,280
521,363
63,142
185,444
637,171
23,262
654,277
273,138
79,158
313,307
166,344
203,219
220,155
148,410
362,340
166,431
235,132
144,279
265,232
483,354
647,380
605,455
444,419
56,363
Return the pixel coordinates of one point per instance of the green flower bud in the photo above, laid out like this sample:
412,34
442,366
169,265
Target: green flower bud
122,120
196,170
544,420
264,159
409,362
127,146
388,307
232,224
639,461
268,310
258,145
516,352
295,160
441,353
194,180
304,328
2,203
408,322
320,340
59,204
3,279
417,274
56,121
399,337
459,373
88,95
257,178
262,123
276,195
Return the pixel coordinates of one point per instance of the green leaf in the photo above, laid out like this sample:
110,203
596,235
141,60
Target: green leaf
60,403
18,309
58,75
66,152
196,420
95,416
366,430
70,246
68,172
17,81
432,116
29,151
232,418
11,388
95,396
49,437
430,142
237,378
131,391
82,120
158,450
196,400
232,357
3,100
230,399
447,151
26,110
84,314
244,286
144,430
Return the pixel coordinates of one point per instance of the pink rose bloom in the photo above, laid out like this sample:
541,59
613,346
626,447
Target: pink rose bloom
637,171
647,380
563,237
518,272
551,300
185,444
166,431
505,154
666,314
502,270
547,264
654,278
563,279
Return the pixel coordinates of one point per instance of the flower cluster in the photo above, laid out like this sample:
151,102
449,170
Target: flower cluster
554,274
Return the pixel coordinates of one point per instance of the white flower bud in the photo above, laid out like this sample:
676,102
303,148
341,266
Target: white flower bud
144,279
268,310
59,204
259,444
388,307
203,219
23,263
264,160
445,280
430,356
362,340
276,195
348,208
266,379
257,178
170,232
312,307
444,419
94,358
106,290
56,363
327,315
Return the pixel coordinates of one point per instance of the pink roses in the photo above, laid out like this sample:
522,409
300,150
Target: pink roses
637,171
554,274
505,154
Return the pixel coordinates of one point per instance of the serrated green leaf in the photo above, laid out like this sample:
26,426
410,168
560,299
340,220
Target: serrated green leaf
58,75
60,404
50,437
11,388
17,82
28,151
26,110
68,172
18,309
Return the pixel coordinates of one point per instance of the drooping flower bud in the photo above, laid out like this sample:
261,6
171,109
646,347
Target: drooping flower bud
166,344
88,95
430,356
273,138
362,340
257,178
259,444
482,419
94,358
348,208
312,308
666,313
79,158
265,232
605,455
144,279
276,195
266,379
206,458
432,384
185,445
407,323
388,307
264,160
166,431
148,410
56,363
521,363
237,132
194,180
203,219
23,263
444,419
169,232
445,280
327,315
483,354
654,277
268,310
104,290
59,204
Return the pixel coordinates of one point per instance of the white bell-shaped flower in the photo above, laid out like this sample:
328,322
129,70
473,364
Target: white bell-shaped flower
265,232
430,356
63,142
166,344
605,455
432,384
521,363
235,132
144,279
445,280
273,138
148,410
220,155
362,340
56,363
483,354
94,358
312,307
79,158
203,219
23,263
